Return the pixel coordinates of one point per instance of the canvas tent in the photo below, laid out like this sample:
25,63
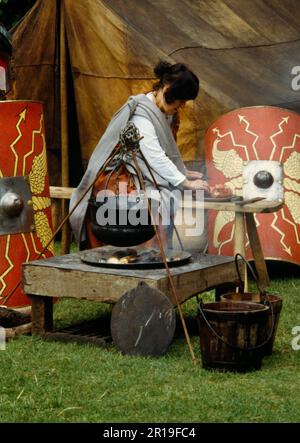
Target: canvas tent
83,58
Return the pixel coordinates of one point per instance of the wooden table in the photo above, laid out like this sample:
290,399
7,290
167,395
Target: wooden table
67,276
245,223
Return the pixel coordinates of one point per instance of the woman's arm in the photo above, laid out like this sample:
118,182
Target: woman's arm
193,175
195,184
154,153
160,163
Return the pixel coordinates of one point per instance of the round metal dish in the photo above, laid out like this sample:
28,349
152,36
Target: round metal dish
99,257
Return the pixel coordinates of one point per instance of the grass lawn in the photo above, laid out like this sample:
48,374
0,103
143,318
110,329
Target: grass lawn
65,382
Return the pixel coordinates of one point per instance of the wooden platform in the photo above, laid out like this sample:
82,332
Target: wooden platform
68,276
92,332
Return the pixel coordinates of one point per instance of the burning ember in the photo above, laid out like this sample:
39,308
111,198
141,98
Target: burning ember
133,256
113,257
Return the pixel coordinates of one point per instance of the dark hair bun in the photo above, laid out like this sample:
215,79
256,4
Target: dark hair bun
184,84
162,68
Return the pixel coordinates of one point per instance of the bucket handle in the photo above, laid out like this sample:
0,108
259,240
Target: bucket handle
260,290
200,304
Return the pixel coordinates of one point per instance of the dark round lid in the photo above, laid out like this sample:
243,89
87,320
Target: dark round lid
143,322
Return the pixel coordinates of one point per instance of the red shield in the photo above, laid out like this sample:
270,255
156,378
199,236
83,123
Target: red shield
256,133
23,153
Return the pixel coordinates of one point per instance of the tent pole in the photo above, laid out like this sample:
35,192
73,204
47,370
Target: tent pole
65,235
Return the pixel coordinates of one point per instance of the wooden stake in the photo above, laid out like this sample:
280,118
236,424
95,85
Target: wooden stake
239,241
66,234
173,290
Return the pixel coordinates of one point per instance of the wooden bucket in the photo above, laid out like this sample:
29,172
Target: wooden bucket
274,301
232,335
273,315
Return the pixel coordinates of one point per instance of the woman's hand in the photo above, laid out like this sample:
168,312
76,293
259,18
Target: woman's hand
193,175
195,184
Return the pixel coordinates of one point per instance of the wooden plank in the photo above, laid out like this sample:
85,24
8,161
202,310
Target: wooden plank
18,330
69,337
258,207
190,284
262,206
52,282
255,244
61,192
94,331
71,278
42,314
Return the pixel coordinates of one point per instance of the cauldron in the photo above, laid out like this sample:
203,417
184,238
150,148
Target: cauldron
121,220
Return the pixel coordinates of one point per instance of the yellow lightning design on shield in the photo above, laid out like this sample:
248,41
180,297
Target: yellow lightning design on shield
26,247
284,120
4,285
290,146
22,117
291,169
291,223
286,248
34,246
34,133
226,241
243,119
290,166
230,133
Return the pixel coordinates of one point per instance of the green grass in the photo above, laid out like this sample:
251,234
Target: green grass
64,382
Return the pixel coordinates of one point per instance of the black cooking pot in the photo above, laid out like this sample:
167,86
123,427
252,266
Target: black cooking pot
121,220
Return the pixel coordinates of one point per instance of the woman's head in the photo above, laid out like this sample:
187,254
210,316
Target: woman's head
177,84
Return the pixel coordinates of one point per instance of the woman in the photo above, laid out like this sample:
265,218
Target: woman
155,115
176,85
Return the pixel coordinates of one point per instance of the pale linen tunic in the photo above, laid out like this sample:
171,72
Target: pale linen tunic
153,152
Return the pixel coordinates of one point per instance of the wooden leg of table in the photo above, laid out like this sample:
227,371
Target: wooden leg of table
42,314
260,263
239,240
